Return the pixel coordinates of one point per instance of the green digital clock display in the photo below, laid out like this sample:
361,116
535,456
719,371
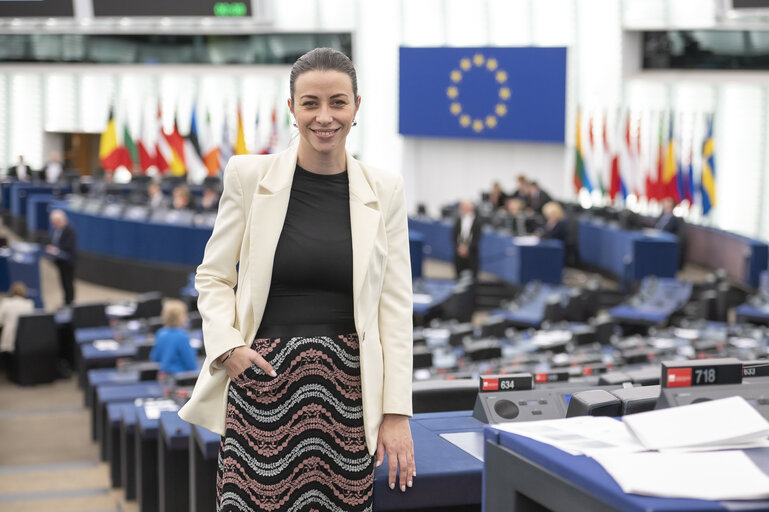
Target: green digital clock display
230,9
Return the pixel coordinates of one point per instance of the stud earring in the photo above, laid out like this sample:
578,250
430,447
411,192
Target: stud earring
354,122
294,123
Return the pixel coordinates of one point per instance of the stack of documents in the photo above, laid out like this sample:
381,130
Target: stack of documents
696,451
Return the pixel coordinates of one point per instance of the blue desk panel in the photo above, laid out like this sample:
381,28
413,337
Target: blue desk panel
37,213
21,191
499,253
628,255
590,476
446,475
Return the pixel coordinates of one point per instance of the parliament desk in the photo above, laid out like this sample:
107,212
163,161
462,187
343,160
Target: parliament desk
522,475
106,376
117,394
91,358
517,261
38,214
128,452
21,262
173,463
742,258
430,294
448,478
146,461
116,411
627,255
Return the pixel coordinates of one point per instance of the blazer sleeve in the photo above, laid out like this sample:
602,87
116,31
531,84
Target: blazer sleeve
396,310
217,275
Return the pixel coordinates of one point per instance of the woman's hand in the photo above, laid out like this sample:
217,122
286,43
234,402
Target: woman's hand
395,440
242,358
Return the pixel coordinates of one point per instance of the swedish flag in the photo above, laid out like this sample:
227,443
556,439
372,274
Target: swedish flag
483,93
708,178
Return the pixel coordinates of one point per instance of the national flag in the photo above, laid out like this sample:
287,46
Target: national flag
272,142
670,172
112,154
226,147
162,149
581,179
615,179
708,178
689,185
131,148
240,137
172,148
210,149
196,169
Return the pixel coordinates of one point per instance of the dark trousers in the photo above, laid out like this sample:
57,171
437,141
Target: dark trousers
469,263
67,276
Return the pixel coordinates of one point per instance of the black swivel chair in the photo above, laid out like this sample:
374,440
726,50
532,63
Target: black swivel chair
89,315
37,350
148,305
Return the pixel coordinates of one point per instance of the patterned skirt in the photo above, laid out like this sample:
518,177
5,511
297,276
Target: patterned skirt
295,442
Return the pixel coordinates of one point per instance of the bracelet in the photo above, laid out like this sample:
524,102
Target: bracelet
228,356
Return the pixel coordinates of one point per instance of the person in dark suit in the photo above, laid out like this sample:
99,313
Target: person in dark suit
555,227
466,236
537,197
63,249
21,170
497,196
668,221
522,192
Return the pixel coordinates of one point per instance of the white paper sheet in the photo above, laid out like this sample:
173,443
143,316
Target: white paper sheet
578,435
471,442
718,422
721,475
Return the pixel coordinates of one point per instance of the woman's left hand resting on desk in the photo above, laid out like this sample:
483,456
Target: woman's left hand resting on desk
395,440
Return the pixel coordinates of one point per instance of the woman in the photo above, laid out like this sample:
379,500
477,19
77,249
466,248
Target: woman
555,226
15,305
172,343
308,369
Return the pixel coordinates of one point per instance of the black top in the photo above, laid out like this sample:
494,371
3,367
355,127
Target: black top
312,271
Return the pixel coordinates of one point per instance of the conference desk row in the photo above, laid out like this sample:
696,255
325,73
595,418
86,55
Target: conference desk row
167,464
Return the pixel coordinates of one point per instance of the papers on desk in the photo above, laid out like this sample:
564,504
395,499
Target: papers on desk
526,240
153,408
730,422
120,310
581,435
470,442
106,345
700,448
422,298
720,475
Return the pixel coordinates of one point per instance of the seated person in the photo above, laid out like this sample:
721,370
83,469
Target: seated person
497,197
172,343
15,305
210,200
537,198
555,226
668,221
522,192
518,221
181,198
155,198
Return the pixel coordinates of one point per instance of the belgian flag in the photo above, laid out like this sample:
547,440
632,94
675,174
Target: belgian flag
112,154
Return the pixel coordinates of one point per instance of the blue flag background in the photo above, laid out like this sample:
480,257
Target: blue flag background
484,93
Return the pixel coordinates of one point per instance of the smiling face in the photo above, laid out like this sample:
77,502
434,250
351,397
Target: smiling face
324,107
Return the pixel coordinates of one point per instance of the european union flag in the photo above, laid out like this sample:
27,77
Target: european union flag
484,93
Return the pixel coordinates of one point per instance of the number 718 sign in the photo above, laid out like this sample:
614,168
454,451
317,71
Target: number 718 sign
698,374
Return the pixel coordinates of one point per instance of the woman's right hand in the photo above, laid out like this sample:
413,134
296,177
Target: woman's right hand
242,358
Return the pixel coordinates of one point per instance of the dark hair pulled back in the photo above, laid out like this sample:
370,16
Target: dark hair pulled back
323,59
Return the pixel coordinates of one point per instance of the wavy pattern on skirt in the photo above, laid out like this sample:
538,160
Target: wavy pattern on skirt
296,442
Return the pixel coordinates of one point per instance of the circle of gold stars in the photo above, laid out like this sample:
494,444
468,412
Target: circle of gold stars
490,120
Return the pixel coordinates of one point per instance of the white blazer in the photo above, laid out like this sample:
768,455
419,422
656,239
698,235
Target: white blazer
251,213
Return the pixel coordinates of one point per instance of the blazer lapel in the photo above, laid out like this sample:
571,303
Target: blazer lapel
364,223
268,212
